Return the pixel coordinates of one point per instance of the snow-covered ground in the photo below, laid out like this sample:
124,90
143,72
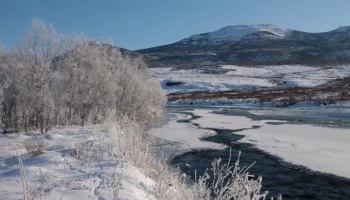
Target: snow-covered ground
321,149
196,80
240,77
63,176
183,137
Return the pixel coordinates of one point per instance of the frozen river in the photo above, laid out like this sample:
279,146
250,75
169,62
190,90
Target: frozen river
302,153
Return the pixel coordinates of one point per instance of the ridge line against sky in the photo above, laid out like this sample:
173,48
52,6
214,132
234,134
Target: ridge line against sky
137,24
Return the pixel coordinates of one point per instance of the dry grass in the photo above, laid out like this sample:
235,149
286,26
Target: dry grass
338,90
35,146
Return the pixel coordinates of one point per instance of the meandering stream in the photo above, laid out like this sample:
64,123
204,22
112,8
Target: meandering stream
294,182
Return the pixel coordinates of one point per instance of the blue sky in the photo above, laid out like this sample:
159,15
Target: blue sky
136,24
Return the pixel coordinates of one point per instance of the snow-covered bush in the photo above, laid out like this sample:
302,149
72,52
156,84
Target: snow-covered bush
128,141
172,185
83,150
233,182
35,145
223,181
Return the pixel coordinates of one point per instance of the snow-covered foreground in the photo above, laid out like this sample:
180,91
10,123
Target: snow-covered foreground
321,149
240,77
62,176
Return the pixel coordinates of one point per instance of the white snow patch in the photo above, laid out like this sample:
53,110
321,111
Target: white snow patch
210,120
184,136
319,148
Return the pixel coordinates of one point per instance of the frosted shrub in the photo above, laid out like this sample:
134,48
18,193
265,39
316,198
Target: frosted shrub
227,182
234,182
128,142
82,150
171,185
35,146
35,189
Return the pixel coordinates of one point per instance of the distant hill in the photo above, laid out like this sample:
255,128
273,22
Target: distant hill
253,45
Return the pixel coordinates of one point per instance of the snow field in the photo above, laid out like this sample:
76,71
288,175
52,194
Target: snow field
196,80
62,176
240,77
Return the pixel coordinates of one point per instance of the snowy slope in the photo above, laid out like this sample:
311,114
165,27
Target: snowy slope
235,33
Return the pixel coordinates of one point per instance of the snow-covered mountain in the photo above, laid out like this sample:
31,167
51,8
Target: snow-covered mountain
236,33
254,44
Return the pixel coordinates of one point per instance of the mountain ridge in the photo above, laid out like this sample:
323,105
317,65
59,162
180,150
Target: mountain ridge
235,32
256,44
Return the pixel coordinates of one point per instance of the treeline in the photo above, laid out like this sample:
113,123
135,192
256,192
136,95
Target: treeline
50,79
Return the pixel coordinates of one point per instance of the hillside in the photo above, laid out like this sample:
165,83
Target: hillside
253,45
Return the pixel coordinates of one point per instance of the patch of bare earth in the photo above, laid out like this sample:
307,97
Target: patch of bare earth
333,91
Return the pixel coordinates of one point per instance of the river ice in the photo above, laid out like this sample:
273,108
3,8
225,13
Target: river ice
319,148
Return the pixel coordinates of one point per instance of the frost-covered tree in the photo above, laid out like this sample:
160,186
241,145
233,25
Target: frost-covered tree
38,46
2,83
10,81
54,79
101,82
